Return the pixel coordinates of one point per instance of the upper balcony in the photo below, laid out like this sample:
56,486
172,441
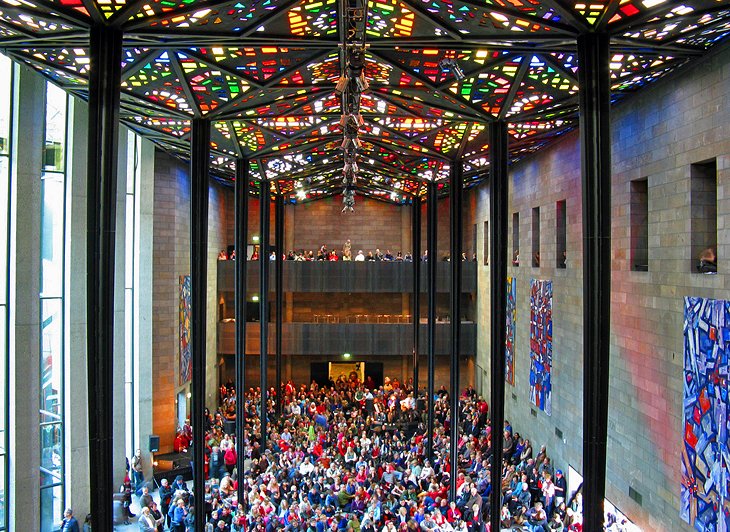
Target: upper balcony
350,277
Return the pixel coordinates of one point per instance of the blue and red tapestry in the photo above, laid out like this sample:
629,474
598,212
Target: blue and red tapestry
541,344
186,356
705,499
509,352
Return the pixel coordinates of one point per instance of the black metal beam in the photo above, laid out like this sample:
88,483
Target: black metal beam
241,208
199,183
595,135
431,245
416,312
105,56
264,207
279,280
498,197
455,225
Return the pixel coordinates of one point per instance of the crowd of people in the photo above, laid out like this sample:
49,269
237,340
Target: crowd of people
349,457
333,255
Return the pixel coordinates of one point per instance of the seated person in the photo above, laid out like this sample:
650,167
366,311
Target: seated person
708,261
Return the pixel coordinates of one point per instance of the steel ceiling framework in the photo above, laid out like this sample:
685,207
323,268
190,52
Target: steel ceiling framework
264,72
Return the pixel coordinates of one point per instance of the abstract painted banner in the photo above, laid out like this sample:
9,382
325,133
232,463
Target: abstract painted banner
541,344
705,502
186,357
509,352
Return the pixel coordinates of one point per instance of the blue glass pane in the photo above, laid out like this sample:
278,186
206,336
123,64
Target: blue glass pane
51,454
51,370
51,508
52,216
53,151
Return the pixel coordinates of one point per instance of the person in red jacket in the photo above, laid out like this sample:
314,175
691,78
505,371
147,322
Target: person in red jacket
230,458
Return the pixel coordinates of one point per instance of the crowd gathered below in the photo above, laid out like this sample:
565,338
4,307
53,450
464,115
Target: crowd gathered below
352,457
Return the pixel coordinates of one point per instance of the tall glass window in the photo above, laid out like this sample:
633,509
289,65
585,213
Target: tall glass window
53,205
6,75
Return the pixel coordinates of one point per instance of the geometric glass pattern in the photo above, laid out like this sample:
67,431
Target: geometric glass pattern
436,73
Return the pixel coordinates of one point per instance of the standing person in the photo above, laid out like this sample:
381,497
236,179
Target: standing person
178,513
217,463
560,487
137,473
347,250
166,492
69,522
230,457
146,522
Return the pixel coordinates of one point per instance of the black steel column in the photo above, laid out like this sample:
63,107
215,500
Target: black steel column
104,80
279,275
265,206
595,102
498,188
199,184
455,186
416,221
241,207
431,245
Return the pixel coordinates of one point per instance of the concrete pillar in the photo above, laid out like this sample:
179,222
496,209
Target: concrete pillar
289,229
76,396
24,333
215,243
118,457
143,373
406,230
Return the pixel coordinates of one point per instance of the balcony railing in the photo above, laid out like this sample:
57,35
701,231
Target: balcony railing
356,338
354,277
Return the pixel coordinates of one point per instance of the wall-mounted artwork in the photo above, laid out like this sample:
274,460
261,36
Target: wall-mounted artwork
509,352
705,501
541,344
186,356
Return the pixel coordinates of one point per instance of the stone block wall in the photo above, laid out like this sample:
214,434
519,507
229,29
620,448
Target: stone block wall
171,259
657,135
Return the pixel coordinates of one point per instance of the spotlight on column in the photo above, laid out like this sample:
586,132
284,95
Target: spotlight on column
362,83
450,65
342,84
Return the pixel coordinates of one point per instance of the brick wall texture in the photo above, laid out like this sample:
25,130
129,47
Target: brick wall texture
656,136
171,259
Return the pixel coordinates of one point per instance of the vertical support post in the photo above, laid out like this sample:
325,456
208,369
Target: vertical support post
265,205
498,197
595,135
199,184
104,81
431,246
416,312
241,208
279,280
455,216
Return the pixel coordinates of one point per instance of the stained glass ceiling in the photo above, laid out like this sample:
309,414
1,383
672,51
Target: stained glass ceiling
427,76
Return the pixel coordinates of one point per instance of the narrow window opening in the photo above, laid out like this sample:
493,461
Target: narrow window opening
639,214
516,239
536,237
561,256
485,251
703,207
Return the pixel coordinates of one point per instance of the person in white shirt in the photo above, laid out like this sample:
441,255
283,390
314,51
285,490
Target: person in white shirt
306,467
360,257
